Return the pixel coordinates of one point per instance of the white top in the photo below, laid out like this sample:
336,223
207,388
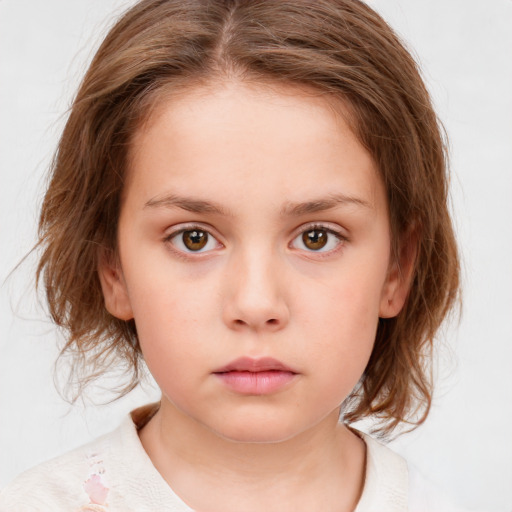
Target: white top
114,474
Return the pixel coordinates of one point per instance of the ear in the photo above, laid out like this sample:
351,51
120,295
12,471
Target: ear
400,275
113,285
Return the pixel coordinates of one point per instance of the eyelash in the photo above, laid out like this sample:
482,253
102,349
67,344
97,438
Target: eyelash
341,239
192,227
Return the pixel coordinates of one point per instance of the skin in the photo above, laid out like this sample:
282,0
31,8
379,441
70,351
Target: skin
255,167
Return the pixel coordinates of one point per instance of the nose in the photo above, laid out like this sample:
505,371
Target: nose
256,294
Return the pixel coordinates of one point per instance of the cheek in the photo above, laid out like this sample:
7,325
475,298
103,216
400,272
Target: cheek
342,317
170,344
170,315
348,300
162,294
170,318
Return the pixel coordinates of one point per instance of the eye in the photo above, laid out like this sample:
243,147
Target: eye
193,240
317,239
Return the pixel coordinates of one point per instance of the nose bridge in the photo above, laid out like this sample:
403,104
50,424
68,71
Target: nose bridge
256,296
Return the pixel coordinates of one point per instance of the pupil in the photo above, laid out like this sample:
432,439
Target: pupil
314,239
195,240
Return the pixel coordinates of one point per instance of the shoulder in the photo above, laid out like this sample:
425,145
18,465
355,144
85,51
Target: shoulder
424,496
393,484
386,479
113,473
63,483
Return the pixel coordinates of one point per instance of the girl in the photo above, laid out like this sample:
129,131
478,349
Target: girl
250,197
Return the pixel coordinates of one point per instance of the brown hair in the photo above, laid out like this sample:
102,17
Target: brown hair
338,47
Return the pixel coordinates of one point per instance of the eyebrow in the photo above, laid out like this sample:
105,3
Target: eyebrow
323,204
186,203
290,209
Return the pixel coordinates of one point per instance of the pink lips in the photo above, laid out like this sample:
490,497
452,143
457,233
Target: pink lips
255,376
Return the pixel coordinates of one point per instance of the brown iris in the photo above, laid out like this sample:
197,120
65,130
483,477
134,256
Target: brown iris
314,239
195,239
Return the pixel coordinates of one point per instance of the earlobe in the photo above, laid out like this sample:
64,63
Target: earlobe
394,293
113,285
400,276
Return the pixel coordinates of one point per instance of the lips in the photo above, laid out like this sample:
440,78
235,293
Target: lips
248,364
260,376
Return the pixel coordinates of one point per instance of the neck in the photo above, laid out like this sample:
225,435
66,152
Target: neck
326,461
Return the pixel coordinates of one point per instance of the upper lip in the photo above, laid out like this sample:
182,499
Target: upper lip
250,364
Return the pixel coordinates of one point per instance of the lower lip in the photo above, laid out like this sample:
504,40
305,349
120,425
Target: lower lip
256,383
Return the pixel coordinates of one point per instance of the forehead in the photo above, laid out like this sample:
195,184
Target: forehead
281,142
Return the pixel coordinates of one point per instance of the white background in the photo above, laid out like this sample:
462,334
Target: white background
465,48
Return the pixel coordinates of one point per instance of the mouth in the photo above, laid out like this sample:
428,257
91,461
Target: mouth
255,365
250,376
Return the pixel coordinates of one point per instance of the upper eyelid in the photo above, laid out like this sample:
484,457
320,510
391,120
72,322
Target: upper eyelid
335,229
190,255
173,231
341,241
326,226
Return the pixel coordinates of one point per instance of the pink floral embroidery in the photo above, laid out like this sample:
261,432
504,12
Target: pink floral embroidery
96,491
93,508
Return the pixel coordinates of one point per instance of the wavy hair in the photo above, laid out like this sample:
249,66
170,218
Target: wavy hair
338,47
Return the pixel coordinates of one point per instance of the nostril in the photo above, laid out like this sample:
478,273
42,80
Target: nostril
272,321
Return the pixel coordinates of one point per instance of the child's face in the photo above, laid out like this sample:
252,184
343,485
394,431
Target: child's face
254,225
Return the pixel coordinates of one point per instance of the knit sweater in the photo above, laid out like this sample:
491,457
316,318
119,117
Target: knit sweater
115,474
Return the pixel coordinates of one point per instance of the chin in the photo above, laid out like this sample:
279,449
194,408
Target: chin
257,432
